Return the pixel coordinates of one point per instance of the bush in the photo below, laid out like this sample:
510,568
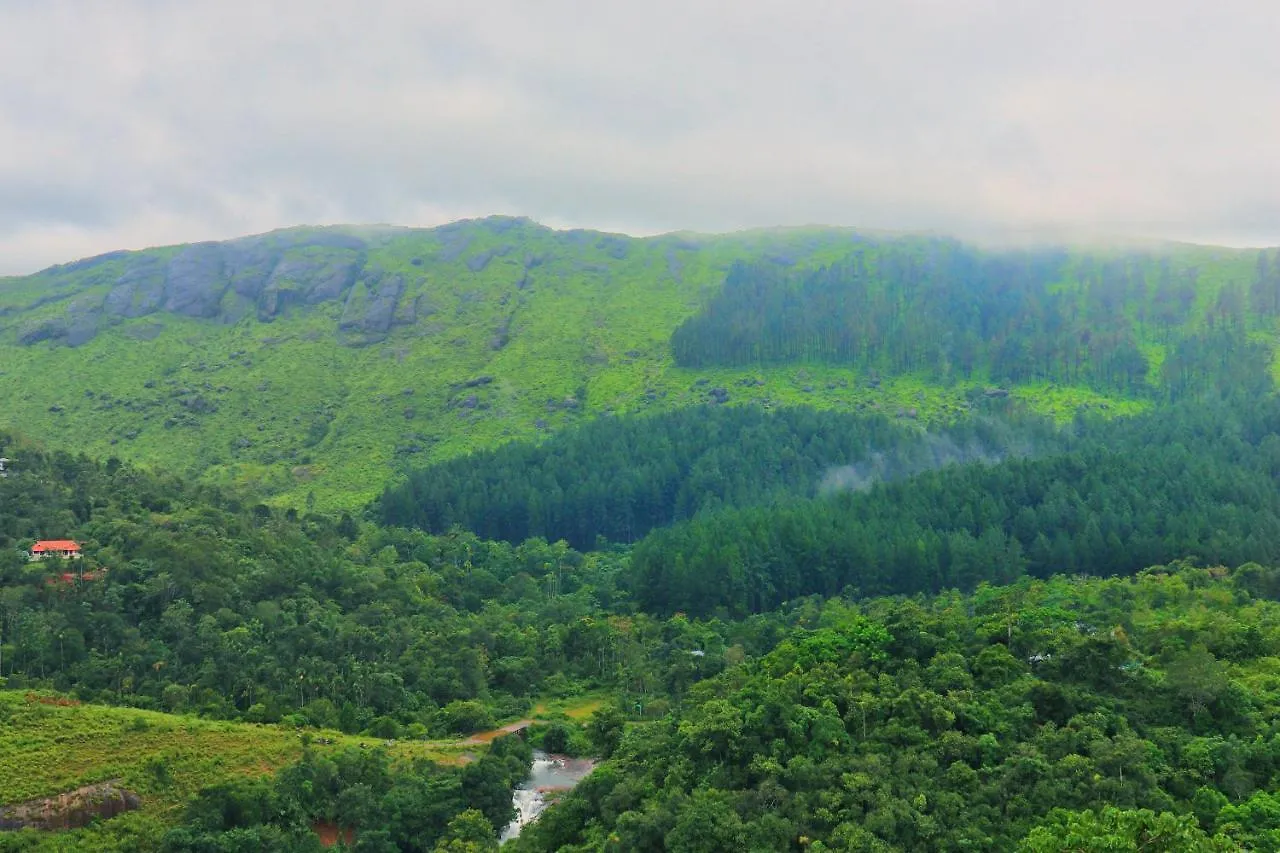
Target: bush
466,716
385,728
555,738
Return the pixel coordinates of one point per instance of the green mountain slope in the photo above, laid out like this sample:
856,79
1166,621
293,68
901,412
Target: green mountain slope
312,364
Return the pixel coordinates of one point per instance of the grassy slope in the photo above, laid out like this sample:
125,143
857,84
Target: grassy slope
591,325
47,750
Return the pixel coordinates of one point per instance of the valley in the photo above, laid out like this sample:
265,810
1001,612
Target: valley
797,539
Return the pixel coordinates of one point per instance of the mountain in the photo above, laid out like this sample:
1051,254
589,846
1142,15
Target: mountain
312,364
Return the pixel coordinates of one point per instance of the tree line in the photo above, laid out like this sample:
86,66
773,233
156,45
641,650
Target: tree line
1192,479
194,600
615,479
377,805
1068,713
1134,323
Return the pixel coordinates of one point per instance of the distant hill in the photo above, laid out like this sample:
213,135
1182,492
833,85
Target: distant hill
314,364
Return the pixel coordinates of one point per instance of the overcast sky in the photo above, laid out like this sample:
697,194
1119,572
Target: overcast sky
141,122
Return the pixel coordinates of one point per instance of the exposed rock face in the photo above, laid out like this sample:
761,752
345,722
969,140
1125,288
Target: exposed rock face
476,263
81,330
247,265
71,810
43,331
307,279
227,281
140,290
195,281
266,275
371,304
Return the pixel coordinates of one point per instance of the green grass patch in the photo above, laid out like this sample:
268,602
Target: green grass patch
49,749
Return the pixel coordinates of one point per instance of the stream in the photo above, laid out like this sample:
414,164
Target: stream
549,777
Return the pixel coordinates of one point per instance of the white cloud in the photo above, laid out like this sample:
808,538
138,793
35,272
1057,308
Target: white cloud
143,122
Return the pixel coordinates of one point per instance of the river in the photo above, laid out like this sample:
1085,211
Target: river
549,777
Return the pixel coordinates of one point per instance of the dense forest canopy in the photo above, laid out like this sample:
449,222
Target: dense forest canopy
618,478
1129,714
950,311
190,600
1194,479
381,806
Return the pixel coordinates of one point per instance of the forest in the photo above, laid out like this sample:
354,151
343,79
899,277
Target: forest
949,311
191,601
937,621
615,479
1070,713
360,794
1195,479
787,626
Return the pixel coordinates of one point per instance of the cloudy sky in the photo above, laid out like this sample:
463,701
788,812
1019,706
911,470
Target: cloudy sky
142,122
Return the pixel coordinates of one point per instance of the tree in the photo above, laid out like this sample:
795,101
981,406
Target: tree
1197,678
605,729
468,832
1115,830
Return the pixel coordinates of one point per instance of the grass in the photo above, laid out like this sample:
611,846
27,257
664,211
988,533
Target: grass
576,708
292,409
165,758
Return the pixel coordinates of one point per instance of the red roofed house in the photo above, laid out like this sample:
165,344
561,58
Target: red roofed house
64,548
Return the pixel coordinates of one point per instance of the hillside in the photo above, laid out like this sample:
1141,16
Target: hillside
1124,714
53,745
313,364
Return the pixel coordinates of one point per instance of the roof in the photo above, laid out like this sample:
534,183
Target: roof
55,545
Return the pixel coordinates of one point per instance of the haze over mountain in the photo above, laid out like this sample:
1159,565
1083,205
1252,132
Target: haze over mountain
315,363
142,123
409,410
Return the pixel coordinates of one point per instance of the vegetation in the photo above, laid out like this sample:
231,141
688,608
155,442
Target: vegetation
816,541
52,744
1195,479
946,310
188,601
309,366
270,366
376,805
1122,714
618,478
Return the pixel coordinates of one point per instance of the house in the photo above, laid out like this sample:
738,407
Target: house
64,548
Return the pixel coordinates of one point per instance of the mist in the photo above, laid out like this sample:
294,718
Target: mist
998,442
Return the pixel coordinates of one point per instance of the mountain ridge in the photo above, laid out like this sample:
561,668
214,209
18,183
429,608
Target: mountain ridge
314,363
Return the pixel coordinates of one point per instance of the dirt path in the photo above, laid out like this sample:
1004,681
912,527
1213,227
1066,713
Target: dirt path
492,734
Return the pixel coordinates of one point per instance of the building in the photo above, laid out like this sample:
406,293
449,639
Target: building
64,548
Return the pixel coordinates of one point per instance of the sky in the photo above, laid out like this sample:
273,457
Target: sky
140,122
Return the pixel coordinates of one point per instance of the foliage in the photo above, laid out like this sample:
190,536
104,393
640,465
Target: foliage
938,307
501,329
1044,715
1192,479
191,601
51,745
618,478
407,807
1114,829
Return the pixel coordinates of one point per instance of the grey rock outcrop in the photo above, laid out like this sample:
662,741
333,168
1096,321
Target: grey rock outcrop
194,282
139,290
371,305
